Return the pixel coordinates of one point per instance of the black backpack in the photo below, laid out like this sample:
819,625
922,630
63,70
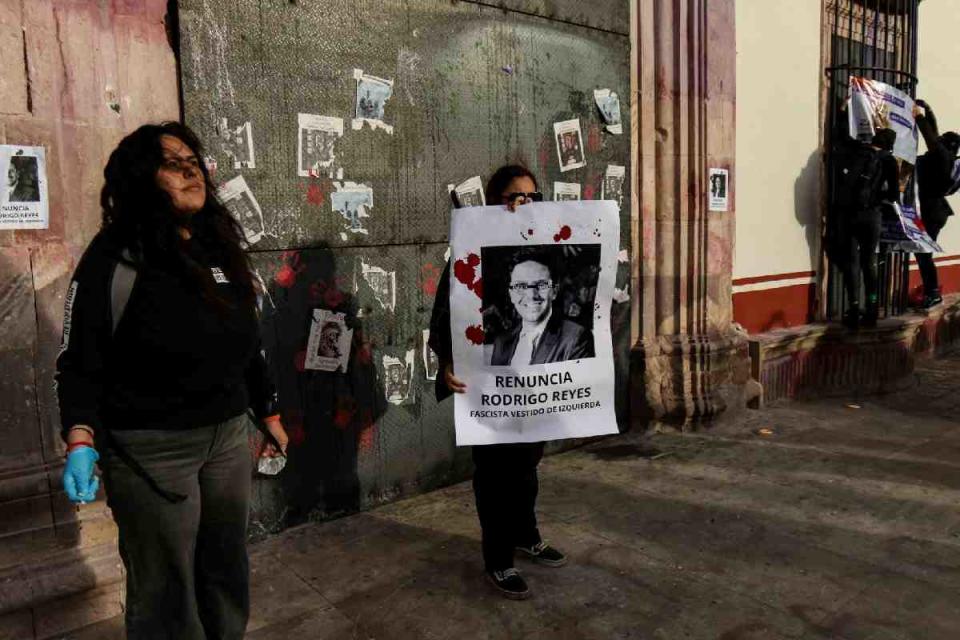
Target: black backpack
859,177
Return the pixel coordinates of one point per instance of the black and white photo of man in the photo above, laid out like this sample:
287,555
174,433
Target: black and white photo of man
328,347
536,329
398,375
329,340
22,180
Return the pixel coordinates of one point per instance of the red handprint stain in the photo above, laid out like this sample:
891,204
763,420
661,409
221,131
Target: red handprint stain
429,277
475,334
465,272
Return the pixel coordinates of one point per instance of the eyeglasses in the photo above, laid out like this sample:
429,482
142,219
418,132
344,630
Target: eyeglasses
533,196
526,287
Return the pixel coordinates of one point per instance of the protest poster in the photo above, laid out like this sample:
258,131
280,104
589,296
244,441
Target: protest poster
566,191
874,105
609,104
237,197
569,138
372,96
530,297
24,203
469,193
718,189
328,348
316,139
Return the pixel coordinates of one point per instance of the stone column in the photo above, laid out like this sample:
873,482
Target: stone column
688,364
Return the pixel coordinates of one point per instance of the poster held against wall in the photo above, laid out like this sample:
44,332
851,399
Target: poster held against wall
398,378
240,201
328,348
372,96
569,144
719,186
469,192
565,191
316,137
537,352
874,105
24,202
609,104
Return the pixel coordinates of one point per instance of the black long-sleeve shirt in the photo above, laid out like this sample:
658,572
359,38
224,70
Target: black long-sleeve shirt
175,360
934,170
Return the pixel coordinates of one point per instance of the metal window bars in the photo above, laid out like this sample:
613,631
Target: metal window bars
875,39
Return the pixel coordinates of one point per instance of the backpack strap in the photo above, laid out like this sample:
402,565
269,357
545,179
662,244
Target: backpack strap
121,286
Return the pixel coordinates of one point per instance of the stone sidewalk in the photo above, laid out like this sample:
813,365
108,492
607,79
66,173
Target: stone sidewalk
843,524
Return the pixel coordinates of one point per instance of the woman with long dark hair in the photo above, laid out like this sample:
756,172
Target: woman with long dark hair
505,480
159,365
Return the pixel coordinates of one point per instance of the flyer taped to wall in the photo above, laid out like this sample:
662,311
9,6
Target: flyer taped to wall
530,299
23,199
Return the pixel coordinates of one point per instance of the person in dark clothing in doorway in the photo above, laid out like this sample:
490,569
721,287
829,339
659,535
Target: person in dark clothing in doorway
938,175
505,477
157,387
869,177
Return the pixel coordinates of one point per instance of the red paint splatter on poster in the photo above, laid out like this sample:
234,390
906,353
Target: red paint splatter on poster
475,334
529,232
465,271
564,234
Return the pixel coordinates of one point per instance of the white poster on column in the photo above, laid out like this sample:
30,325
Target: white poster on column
24,203
530,298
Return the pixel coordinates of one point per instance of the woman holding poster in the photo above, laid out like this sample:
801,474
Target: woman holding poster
505,480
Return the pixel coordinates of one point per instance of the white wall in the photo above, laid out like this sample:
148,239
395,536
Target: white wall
939,74
778,137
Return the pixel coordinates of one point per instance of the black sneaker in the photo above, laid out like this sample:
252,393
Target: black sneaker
510,583
851,319
544,554
931,300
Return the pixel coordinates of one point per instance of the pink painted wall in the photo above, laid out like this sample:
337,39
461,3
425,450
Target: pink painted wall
65,62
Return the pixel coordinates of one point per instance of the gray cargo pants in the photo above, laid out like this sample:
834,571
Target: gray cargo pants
187,568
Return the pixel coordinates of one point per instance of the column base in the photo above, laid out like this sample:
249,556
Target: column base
686,382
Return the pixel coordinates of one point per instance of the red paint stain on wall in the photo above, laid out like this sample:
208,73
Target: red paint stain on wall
366,435
589,191
300,360
475,334
564,234
429,278
594,138
286,276
546,151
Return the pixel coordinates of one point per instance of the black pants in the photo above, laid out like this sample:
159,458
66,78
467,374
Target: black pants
505,485
186,562
860,239
928,269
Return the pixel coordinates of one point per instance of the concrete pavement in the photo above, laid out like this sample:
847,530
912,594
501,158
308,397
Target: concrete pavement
843,523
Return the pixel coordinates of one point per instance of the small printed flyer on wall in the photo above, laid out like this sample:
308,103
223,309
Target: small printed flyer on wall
24,202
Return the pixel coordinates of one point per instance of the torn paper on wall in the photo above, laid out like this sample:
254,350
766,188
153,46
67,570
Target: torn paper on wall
328,348
240,201
316,139
352,200
24,203
620,295
566,191
569,144
372,96
431,364
383,283
469,193
609,104
612,188
238,144
398,378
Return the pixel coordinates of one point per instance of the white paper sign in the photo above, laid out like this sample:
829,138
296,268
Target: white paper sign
719,186
24,202
530,296
240,201
328,348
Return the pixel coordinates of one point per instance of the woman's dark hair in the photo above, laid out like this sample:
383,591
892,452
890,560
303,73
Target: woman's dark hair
502,177
141,215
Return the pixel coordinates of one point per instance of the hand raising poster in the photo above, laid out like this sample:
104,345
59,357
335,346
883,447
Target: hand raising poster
530,298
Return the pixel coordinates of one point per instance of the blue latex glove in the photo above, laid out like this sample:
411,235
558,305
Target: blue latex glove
79,482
